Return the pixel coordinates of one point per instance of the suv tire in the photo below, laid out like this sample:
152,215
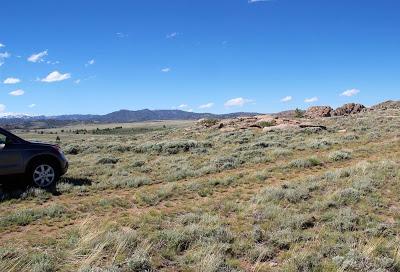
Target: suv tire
43,174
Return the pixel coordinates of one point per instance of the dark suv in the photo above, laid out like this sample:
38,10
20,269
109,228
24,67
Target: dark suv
40,164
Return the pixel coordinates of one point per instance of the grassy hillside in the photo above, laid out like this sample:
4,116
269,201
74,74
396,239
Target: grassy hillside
175,199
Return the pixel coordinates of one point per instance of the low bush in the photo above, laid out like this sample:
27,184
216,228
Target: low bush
305,163
320,144
172,147
340,155
107,161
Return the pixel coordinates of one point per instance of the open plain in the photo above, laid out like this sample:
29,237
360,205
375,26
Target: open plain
179,197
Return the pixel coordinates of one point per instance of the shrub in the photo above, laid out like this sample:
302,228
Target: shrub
344,220
283,238
140,261
42,263
108,161
223,163
209,122
208,229
298,113
262,253
305,163
340,155
264,124
138,164
292,194
64,187
172,147
320,144
36,193
281,152
72,150
356,260
350,137
347,196
267,144
134,182
305,261
154,197
210,259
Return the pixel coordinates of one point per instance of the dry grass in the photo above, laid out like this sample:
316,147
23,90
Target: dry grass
174,199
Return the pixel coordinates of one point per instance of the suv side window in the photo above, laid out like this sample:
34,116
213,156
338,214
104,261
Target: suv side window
3,139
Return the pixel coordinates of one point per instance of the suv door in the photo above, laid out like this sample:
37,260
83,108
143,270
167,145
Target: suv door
10,157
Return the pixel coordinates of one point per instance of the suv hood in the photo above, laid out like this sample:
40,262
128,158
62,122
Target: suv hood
42,144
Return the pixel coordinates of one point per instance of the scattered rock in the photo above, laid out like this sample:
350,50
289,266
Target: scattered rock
280,127
319,111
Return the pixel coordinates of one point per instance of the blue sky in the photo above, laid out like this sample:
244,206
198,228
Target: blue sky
61,57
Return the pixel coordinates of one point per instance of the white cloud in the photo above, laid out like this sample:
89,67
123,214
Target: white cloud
185,107
2,108
256,1
3,56
18,92
11,80
172,35
240,101
121,35
2,45
77,81
52,62
350,92
90,62
287,99
56,76
311,100
166,70
37,57
206,106
32,105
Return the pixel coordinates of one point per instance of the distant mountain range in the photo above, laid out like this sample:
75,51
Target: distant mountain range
129,116
121,116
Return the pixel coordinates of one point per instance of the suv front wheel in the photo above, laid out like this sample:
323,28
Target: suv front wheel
43,174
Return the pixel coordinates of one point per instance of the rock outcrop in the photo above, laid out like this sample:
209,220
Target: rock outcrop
326,111
319,111
264,122
348,109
